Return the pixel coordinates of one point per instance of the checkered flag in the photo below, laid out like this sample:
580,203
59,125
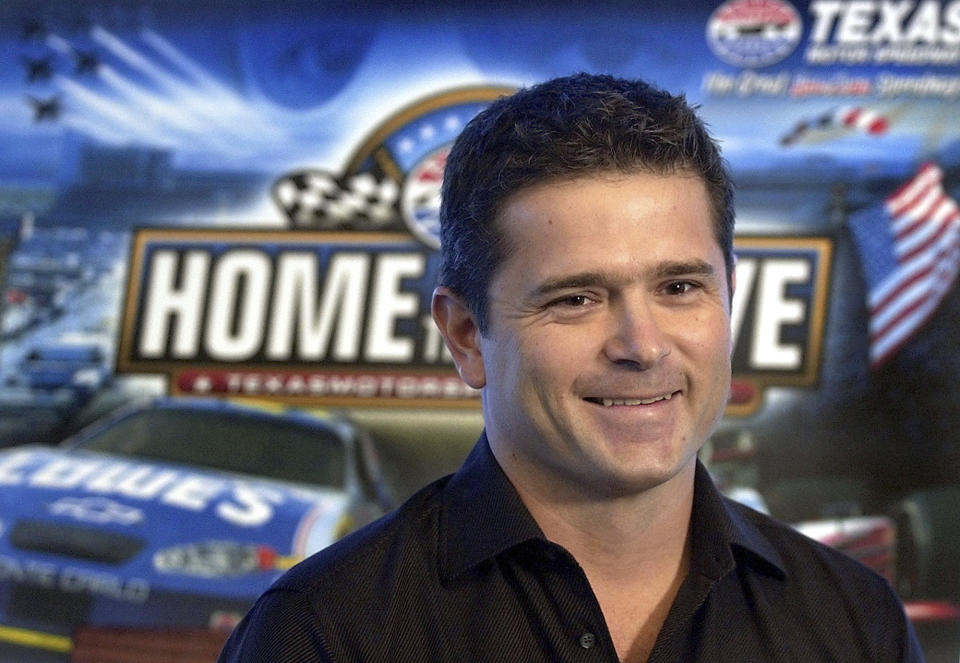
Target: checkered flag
316,199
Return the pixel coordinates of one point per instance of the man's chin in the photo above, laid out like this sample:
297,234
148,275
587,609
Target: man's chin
619,481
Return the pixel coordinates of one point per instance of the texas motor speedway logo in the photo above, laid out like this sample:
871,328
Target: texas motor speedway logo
336,310
901,32
760,33
754,33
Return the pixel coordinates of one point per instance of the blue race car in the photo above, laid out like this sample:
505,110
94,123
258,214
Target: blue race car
173,513
79,367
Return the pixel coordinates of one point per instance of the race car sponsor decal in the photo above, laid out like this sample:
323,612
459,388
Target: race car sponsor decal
219,559
234,502
73,579
336,310
97,510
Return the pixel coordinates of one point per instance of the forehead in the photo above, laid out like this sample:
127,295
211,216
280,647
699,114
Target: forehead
608,208
564,185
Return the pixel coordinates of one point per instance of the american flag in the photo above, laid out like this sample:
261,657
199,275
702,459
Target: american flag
910,254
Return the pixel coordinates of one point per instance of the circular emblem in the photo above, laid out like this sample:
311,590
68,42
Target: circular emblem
420,200
393,179
411,146
754,33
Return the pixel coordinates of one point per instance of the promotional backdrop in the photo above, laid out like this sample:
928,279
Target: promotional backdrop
238,201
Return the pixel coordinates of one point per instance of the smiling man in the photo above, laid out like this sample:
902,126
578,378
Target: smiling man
587,229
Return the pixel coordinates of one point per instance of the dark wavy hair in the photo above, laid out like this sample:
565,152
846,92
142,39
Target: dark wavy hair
566,127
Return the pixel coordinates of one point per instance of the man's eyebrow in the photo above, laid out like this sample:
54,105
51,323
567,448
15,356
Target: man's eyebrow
570,282
666,269
693,267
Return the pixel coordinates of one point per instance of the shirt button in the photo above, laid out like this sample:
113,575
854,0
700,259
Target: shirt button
588,640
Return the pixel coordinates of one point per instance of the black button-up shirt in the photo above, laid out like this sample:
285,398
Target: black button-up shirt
462,572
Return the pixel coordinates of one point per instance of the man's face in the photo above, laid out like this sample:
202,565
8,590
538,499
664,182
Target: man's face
606,363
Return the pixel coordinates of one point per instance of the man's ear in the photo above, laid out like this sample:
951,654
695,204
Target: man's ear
733,290
459,328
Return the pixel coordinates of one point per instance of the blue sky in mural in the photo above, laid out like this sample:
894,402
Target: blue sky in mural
265,87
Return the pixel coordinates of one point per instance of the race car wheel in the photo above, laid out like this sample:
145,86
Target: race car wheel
928,536
797,499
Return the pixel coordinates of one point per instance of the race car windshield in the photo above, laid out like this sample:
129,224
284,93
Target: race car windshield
258,446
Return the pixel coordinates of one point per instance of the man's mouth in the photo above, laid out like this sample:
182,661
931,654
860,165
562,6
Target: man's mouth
610,402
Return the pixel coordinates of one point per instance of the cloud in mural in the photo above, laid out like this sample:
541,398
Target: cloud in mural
300,65
148,92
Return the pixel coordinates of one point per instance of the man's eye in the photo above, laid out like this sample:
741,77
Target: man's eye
572,301
680,287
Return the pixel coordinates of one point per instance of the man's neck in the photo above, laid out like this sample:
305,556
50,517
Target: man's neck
634,550
617,535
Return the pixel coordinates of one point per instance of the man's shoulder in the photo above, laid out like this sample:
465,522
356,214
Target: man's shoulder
809,561
824,591
351,584
407,532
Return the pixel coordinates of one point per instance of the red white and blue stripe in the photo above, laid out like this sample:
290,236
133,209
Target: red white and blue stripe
910,254
844,118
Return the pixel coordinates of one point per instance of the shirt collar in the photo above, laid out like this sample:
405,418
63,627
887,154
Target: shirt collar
482,516
724,533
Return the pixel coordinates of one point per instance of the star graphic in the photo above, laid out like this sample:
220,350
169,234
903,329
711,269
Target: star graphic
202,384
428,131
452,123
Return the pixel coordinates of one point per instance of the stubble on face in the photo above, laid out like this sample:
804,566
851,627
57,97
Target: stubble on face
607,359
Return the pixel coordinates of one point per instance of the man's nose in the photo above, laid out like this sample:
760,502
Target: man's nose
637,337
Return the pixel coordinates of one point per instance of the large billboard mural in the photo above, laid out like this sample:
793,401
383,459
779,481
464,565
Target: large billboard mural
216,212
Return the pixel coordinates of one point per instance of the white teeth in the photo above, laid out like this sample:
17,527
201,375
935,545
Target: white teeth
607,402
